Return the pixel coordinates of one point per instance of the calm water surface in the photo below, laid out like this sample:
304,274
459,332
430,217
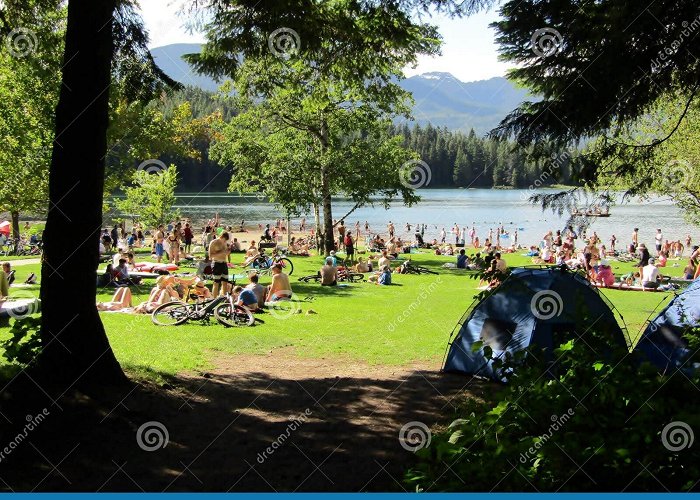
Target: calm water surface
485,208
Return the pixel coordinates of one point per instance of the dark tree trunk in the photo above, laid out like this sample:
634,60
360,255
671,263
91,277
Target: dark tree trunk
328,240
75,347
15,229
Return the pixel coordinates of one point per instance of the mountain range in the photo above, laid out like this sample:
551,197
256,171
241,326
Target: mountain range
440,98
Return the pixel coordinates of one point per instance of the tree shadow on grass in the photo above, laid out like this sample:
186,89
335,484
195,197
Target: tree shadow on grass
246,431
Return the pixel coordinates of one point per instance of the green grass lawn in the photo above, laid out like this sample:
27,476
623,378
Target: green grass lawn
395,325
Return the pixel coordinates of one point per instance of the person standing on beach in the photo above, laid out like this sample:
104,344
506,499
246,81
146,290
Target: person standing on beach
635,240
390,227
658,238
302,225
443,235
341,234
357,230
613,240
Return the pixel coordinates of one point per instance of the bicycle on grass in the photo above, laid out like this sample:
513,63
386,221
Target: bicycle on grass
226,312
264,262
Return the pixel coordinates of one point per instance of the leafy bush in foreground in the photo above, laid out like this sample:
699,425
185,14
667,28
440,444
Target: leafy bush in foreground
590,419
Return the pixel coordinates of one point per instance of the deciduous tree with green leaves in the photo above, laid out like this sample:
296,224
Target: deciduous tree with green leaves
151,197
305,143
333,95
29,80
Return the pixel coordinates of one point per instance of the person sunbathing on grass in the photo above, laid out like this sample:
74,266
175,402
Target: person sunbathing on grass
199,292
329,273
383,277
120,301
362,266
163,292
384,259
280,288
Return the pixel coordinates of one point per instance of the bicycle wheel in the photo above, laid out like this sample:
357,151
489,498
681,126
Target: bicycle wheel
260,263
239,316
287,265
355,277
171,314
308,279
424,270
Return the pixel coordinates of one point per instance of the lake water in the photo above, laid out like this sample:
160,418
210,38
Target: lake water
485,208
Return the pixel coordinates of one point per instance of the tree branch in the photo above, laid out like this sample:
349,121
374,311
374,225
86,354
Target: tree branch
656,142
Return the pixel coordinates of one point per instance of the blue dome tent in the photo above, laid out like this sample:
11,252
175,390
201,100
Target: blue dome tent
662,343
542,306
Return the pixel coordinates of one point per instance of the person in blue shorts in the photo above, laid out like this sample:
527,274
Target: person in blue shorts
246,297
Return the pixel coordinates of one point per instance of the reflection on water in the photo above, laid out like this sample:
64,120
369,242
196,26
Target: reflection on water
485,208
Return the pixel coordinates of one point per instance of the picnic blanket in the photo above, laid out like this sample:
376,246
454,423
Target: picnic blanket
19,307
635,288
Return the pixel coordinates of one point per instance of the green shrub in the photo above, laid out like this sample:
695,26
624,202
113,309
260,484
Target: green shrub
590,419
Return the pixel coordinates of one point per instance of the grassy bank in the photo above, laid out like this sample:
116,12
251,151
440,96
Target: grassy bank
410,321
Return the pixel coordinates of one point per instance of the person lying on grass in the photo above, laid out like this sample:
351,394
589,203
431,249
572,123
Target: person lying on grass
163,292
120,301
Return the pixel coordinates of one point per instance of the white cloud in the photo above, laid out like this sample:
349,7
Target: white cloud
164,23
468,51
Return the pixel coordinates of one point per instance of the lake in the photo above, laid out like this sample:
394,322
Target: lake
485,208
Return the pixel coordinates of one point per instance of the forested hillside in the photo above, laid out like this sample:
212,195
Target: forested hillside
456,159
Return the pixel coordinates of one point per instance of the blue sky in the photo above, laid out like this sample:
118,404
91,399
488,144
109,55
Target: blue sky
468,52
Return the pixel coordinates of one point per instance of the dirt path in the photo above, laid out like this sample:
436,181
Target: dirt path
222,424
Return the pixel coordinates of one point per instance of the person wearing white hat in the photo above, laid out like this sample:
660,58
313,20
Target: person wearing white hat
331,254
